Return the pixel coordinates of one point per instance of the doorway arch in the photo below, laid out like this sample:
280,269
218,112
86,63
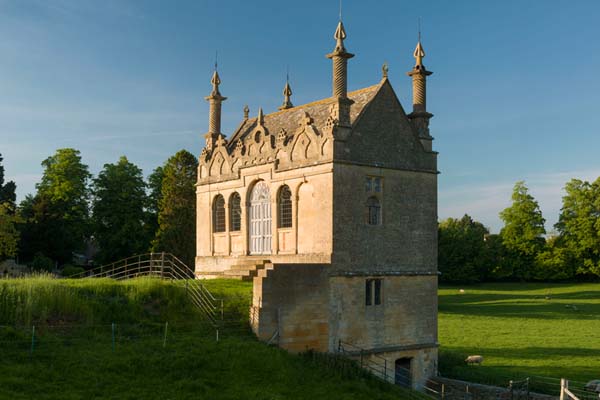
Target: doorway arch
259,213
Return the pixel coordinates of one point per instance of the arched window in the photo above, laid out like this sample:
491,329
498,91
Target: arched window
373,211
284,207
235,212
219,214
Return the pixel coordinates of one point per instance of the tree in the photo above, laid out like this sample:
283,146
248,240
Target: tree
154,196
118,211
462,249
579,225
522,231
9,235
57,217
7,190
177,208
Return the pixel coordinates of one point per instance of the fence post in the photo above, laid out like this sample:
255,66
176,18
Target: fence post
385,369
162,264
510,387
113,337
563,385
32,339
165,338
361,358
443,393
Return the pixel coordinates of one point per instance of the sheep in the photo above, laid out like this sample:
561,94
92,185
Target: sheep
474,360
461,291
593,386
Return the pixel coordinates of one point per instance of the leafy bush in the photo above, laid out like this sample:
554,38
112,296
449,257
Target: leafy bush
42,263
70,270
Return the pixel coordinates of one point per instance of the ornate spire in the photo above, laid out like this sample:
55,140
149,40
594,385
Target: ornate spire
214,114
287,92
419,116
246,111
340,57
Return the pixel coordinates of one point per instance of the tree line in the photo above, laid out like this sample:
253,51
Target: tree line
76,216
523,250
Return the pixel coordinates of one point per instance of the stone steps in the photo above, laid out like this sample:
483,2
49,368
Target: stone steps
246,270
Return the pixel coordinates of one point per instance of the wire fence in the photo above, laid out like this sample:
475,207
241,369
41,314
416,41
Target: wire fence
17,341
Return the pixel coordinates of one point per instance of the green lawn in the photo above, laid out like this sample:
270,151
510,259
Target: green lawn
74,356
522,330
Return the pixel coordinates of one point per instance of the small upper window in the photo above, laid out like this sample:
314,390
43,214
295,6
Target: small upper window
373,184
219,214
373,292
373,211
284,207
235,212
377,184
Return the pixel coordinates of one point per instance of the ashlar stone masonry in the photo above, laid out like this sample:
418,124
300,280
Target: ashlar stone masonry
331,209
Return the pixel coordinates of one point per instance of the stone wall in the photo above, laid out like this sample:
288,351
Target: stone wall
292,299
406,239
407,315
308,240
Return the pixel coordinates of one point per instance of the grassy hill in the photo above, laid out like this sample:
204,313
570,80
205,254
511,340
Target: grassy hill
75,356
522,330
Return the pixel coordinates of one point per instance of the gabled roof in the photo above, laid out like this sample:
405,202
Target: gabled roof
318,110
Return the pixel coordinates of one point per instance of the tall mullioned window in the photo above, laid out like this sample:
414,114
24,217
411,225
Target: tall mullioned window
235,212
373,292
374,189
219,214
373,211
284,207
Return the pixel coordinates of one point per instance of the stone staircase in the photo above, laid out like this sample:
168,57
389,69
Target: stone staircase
246,270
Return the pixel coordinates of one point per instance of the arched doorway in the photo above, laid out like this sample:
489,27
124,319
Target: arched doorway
260,219
403,374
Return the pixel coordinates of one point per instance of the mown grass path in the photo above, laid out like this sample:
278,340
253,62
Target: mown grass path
521,330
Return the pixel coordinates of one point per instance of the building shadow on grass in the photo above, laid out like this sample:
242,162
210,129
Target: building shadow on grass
559,306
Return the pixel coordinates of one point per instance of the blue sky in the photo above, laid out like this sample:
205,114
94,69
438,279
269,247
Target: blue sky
515,90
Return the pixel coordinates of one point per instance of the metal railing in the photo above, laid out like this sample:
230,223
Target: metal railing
164,266
374,363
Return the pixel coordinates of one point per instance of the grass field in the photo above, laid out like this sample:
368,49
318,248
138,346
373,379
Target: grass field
522,330
74,355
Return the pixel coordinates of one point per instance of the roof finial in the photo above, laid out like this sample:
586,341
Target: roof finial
384,70
260,119
419,53
215,80
339,36
246,111
287,92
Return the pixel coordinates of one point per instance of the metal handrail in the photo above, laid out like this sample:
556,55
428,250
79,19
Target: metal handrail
164,266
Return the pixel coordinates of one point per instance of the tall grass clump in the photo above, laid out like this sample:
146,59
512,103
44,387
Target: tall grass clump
45,300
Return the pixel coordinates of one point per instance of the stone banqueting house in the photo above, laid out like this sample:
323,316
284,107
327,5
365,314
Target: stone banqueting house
331,208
